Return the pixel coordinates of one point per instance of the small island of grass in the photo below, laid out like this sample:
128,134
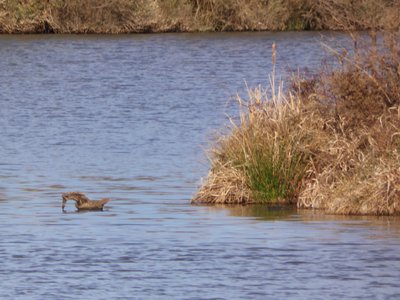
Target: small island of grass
331,141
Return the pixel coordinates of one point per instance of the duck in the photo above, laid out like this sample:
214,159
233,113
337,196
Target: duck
83,202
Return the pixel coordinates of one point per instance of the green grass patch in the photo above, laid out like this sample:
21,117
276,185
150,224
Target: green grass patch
274,175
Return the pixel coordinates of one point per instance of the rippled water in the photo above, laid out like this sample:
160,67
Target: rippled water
128,117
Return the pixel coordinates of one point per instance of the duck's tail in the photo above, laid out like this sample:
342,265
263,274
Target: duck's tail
103,201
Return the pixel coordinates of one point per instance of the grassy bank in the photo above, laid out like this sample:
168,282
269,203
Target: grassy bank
331,142
128,16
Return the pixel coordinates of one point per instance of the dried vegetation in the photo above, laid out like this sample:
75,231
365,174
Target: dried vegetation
331,142
127,16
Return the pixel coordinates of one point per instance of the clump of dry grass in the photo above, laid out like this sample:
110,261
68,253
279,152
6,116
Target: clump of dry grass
264,158
357,169
265,155
359,182
224,185
332,142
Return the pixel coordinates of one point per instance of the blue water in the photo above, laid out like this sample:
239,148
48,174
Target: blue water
129,117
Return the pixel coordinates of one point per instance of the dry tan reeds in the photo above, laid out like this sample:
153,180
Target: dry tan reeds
127,16
362,174
332,142
224,185
361,105
263,158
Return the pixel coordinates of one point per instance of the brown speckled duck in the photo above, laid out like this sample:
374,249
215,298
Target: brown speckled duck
83,202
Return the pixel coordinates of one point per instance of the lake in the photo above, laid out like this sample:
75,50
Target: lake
129,117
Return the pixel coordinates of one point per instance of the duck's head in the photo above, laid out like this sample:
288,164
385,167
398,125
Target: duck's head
64,201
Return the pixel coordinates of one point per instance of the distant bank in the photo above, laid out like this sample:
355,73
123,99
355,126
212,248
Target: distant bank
138,16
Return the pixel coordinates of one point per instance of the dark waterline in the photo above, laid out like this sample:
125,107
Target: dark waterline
128,117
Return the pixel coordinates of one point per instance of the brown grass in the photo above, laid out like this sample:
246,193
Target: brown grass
126,16
224,185
357,169
332,142
264,157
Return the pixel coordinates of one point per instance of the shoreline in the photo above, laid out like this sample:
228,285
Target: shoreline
162,16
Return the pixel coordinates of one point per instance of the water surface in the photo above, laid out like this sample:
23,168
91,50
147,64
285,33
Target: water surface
128,117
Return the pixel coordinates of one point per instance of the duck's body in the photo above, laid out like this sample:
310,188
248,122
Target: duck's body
83,202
